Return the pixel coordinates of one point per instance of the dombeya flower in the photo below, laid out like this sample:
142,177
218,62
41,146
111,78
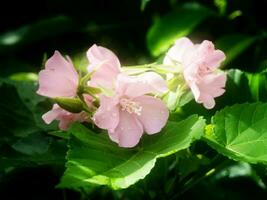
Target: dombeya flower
105,64
131,111
199,65
59,78
64,117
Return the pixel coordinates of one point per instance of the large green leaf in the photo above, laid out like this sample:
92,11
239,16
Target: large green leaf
178,23
233,45
240,132
23,138
94,159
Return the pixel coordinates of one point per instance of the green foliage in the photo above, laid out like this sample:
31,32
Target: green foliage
94,159
233,45
26,143
178,23
240,133
144,4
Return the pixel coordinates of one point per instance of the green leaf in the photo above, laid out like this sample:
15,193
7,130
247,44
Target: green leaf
233,45
24,76
258,85
178,23
253,86
94,159
240,132
23,141
144,4
35,32
33,144
14,113
221,5
53,155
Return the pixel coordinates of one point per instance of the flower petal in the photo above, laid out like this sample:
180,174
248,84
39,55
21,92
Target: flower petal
54,84
64,117
177,52
154,114
52,114
59,78
105,64
104,76
129,130
135,86
208,101
65,67
209,87
97,55
107,116
208,55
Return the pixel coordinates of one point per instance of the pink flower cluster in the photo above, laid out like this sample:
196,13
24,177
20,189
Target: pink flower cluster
132,106
126,114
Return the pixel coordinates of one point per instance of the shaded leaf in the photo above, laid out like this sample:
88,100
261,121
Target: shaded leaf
32,144
233,45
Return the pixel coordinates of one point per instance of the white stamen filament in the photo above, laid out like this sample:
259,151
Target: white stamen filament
130,106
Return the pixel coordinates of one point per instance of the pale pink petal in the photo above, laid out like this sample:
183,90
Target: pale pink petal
67,118
64,117
135,86
53,84
213,84
52,114
177,52
129,130
65,67
208,101
107,116
97,55
64,124
59,78
104,76
195,90
209,87
208,55
154,114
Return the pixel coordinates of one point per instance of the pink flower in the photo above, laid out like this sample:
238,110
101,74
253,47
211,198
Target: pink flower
64,117
199,63
59,78
130,112
105,64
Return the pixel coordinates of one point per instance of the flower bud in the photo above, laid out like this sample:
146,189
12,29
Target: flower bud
73,105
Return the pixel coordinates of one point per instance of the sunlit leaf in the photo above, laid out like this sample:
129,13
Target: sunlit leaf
94,159
180,22
240,132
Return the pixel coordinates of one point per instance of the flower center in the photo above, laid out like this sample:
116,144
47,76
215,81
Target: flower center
130,106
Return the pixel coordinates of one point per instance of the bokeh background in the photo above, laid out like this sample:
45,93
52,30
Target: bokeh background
138,31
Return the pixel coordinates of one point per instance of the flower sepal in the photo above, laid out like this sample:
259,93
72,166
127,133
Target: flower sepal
73,105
